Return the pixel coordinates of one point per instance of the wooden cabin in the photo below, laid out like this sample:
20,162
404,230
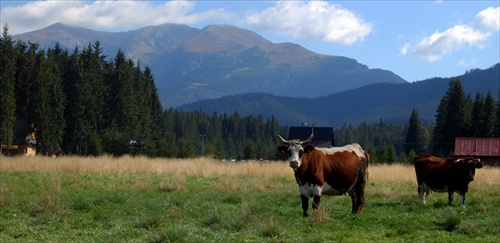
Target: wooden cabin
24,140
323,136
486,149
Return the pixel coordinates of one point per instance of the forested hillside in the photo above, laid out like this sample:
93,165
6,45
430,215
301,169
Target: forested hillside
80,104
391,102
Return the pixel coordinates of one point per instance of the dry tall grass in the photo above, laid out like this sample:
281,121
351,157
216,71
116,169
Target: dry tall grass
205,167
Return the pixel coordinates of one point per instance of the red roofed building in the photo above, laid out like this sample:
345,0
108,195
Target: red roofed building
486,149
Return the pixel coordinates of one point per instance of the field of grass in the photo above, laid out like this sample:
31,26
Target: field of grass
106,199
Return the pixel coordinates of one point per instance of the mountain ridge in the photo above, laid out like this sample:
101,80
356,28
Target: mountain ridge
392,103
191,64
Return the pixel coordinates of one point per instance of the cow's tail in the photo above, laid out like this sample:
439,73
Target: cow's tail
367,156
359,192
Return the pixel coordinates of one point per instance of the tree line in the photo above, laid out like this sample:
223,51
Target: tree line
81,104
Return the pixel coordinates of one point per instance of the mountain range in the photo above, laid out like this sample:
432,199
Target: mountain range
393,103
191,64
222,68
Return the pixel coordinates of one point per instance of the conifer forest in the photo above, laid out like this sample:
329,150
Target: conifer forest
80,102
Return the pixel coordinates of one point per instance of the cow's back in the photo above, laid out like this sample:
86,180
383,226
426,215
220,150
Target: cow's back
433,171
342,165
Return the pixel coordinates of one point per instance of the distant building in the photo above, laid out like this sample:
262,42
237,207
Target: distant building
24,140
323,136
486,149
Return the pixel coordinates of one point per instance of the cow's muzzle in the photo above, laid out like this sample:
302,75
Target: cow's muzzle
294,164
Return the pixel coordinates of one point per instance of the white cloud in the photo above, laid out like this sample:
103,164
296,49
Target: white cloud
310,20
404,50
437,45
103,15
489,19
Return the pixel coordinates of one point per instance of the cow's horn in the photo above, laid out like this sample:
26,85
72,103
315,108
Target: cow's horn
309,139
282,139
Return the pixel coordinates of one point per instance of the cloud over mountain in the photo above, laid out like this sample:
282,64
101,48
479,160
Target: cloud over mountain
439,44
300,19
310,20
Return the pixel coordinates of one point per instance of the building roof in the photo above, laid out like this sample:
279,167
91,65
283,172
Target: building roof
477,146
323,136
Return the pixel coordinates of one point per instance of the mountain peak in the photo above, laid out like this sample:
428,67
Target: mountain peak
191,64
224,37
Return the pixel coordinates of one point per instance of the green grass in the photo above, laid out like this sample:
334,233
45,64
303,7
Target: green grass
73,207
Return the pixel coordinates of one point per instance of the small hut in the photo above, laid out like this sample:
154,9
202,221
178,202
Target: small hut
24,140
486,149
323,136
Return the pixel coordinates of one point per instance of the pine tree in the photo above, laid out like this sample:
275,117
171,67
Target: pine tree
452,118
7,88
416,135
478,115
49,109
490,115
496,131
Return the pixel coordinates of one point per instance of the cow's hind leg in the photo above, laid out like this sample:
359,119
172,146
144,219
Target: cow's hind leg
305,204
358,196
352,194
357,199
421,194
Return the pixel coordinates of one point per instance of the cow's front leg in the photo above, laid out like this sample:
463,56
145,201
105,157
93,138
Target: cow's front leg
317,196
421,194
462,199
305,204
450,196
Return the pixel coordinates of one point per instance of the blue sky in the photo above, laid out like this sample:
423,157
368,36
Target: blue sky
415,39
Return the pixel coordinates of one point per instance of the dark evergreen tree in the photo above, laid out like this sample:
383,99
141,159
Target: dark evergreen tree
496,131
122,102
50,101
416,138
7,88
83,78
478,116
452,118
489,115
26,74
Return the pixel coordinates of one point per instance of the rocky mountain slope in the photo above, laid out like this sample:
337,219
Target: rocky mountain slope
191,64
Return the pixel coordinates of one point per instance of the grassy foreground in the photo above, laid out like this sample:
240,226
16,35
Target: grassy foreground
105,199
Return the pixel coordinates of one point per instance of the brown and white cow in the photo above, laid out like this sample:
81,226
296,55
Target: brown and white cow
445,175
329,171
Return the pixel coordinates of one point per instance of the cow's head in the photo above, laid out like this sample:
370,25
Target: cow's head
295,149
467,167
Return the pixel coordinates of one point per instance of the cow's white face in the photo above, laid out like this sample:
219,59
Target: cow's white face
295,150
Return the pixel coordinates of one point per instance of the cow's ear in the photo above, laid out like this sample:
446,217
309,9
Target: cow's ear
282,148
479,165
308,148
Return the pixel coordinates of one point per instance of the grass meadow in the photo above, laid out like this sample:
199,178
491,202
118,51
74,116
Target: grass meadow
136,199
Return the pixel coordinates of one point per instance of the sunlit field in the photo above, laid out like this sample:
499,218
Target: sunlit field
109,199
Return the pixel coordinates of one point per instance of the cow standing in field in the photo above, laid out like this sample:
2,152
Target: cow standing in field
329,171
445,175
